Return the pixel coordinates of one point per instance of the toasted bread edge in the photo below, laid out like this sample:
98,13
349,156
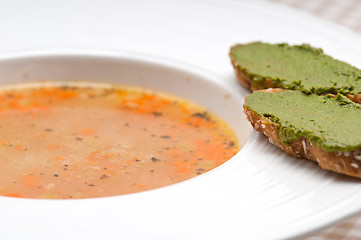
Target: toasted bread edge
348,163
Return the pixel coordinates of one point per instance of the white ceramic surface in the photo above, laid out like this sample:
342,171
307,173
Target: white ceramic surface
259,194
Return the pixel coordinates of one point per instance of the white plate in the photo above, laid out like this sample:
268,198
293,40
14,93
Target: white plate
260,194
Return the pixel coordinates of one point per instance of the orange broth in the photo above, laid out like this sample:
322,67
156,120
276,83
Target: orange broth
86,140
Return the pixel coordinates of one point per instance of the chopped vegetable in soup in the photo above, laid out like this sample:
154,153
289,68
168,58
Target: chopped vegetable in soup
68,140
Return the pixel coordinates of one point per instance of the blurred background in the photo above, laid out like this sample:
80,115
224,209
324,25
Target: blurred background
343,12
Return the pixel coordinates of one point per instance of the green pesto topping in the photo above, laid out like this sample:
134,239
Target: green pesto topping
300,67
330,123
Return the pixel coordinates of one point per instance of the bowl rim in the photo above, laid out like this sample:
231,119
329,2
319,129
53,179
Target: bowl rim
124,55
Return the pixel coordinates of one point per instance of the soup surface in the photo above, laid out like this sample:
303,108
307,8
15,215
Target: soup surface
85,140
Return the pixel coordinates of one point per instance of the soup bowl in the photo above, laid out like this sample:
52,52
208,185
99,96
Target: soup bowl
153,214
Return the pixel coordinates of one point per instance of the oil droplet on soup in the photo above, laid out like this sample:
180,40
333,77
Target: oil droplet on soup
83,140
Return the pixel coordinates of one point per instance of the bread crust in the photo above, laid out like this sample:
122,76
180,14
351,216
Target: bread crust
245,81
355,98
348,163
242,79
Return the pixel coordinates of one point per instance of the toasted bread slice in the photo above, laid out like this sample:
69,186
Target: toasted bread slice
325,129
301,67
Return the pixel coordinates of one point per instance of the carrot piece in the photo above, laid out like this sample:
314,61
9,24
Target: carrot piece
30,180
86,132
67,94
36,105
54,92
145,103
53,146
184,108
142,186
130,161
92,157
59,158
194,121
95,152
183,166
14,104
43,135
96,156
106,156
20,147
213,150
17,195
174,152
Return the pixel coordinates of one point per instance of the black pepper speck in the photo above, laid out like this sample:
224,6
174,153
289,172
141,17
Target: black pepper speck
154,159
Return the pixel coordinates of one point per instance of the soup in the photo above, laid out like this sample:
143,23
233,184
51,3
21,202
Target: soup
86,140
